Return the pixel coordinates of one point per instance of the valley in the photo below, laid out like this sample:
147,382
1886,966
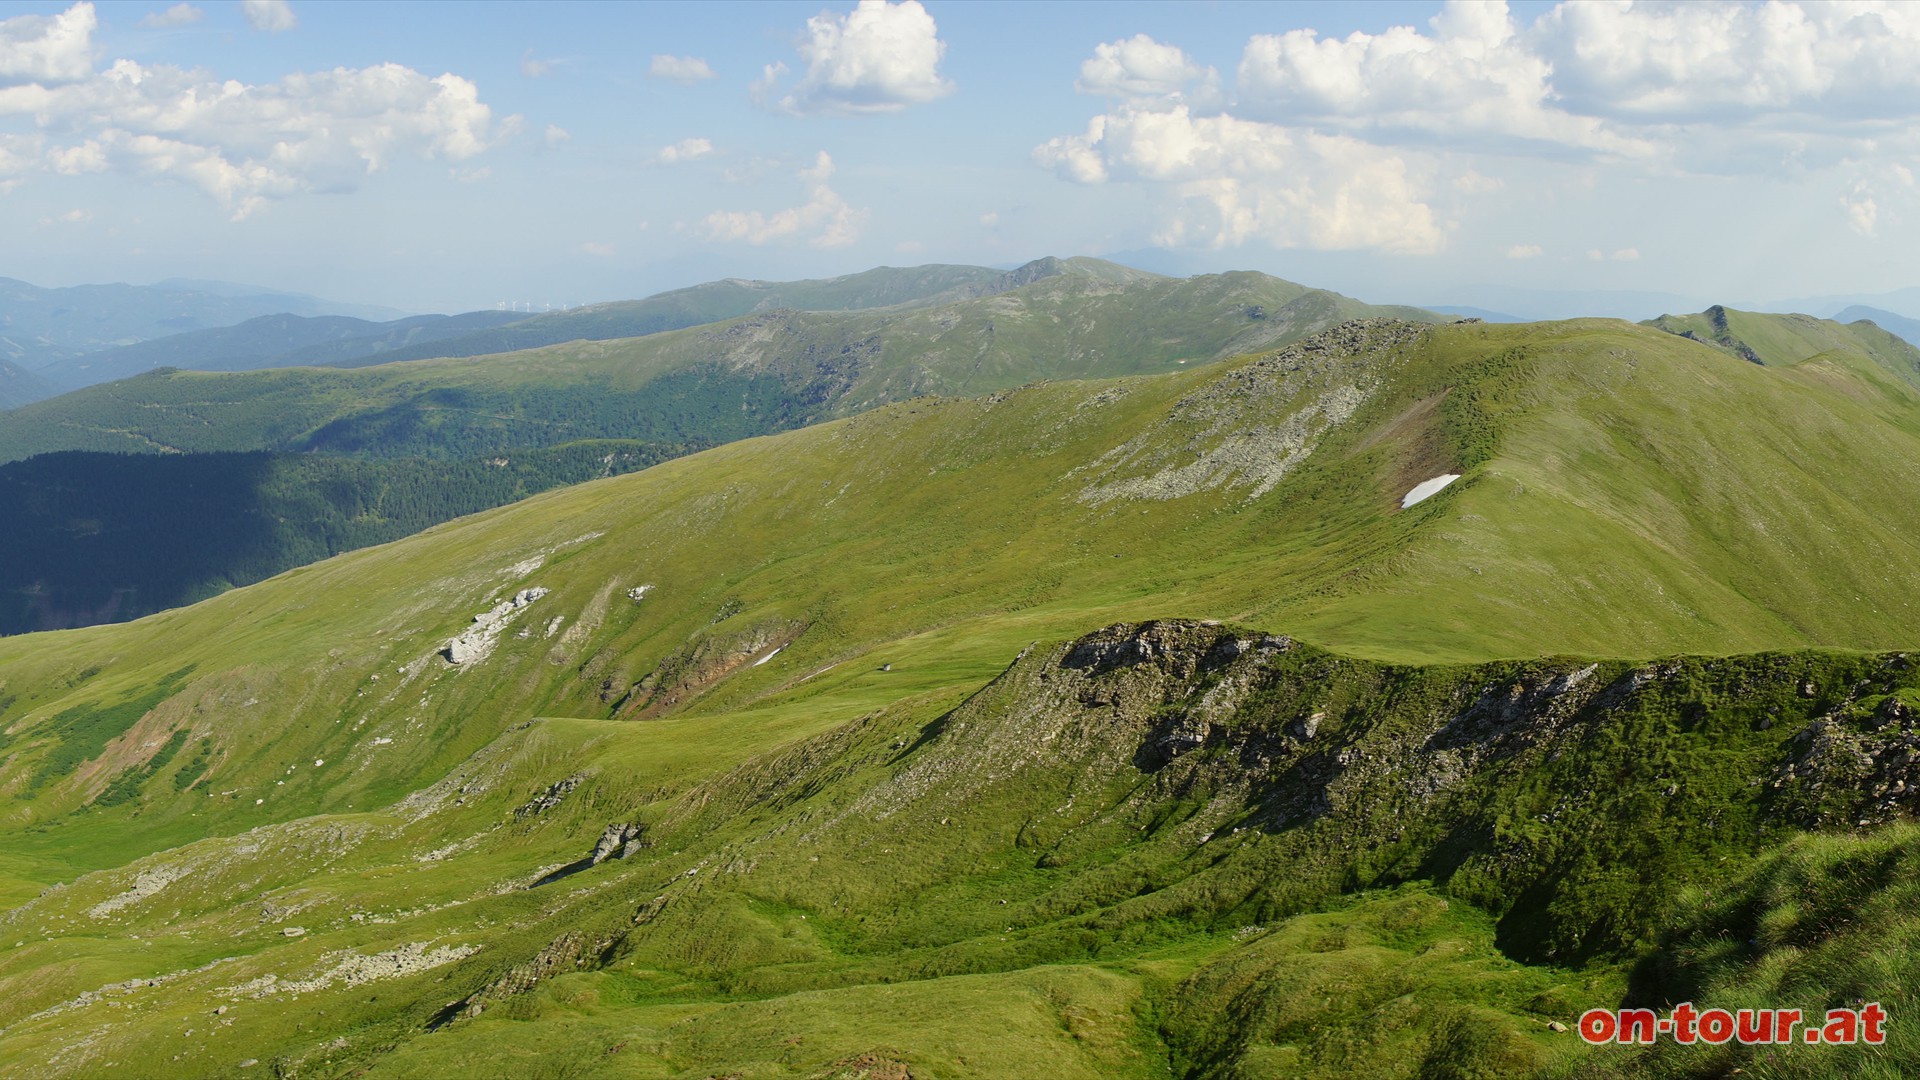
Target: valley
1126,724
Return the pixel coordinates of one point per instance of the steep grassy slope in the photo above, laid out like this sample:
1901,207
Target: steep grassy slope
269,341
1167,848
1610,506
780,669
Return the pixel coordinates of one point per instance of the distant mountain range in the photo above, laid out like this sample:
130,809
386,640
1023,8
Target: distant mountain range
1905,327
39,326
290,339
270,341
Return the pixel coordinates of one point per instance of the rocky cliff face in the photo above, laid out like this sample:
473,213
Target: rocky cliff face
1258,776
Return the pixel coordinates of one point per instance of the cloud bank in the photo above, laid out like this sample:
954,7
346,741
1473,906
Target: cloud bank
1354,143
243,144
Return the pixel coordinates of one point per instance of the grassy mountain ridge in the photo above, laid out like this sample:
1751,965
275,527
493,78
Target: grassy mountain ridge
718,301
785,367
780,669
1765,338
1265,489
292,340
449,434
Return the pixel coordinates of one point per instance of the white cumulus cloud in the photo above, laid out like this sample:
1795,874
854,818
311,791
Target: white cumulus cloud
48,48
1524,251
684,150
270,16
177,15
1139,67
1470,80
1863,214
1232,180
1340,141
1709,86
825,216
241,143
1719,61
685,70
880,57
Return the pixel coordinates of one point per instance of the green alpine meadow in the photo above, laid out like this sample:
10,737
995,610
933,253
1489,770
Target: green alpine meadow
1066,672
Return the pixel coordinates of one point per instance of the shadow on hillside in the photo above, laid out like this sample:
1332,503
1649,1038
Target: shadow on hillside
91,538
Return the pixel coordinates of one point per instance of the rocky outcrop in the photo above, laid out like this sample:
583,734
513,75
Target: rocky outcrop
704,661
1251,427
617,842
571,951
357,969
1523,783
556,792
477,643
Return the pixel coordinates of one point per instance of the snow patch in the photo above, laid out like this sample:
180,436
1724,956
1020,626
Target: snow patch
1426,489
769,656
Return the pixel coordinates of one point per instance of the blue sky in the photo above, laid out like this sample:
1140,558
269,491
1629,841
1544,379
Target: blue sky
448,157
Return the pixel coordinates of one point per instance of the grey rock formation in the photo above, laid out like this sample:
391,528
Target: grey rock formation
477,643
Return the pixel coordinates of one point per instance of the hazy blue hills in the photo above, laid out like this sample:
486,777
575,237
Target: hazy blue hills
18,386
1905,328
280,340
293,337
41,325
